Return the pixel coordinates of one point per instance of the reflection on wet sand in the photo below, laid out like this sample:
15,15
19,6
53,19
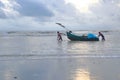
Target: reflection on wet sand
77,47
82,47
82,74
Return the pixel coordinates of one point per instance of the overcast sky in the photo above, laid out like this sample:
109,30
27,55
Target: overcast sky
74,14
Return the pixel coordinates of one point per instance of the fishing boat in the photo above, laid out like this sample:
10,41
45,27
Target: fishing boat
88,37
74,37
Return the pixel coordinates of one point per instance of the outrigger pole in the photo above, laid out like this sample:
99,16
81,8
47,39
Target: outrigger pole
62,26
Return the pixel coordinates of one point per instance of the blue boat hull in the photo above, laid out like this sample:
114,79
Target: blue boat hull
74,37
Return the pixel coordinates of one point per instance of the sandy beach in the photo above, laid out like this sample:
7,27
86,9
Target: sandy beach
39,56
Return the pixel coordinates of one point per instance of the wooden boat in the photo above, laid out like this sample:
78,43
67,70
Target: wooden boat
89,37
73,37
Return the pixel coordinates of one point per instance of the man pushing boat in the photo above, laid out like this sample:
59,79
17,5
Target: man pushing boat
100,34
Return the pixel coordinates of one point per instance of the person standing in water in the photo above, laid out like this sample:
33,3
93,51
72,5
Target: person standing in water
100,34
59,37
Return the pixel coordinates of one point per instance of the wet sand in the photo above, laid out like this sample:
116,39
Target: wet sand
45,58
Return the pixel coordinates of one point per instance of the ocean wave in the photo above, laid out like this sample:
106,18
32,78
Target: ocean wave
39,56
27,33
39,33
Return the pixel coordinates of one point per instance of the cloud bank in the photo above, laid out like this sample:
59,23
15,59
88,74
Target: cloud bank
42,15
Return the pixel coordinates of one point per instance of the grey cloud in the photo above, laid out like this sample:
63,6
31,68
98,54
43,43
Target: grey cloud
8,9
1,4
107,10
60,7
33,9
2,14
106,13
110,1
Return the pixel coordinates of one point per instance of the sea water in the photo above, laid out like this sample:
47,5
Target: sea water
39,56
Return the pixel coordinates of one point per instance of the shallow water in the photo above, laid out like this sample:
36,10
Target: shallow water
42,57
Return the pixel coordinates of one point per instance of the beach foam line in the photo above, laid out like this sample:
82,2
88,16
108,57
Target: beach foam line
55,56
61,55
